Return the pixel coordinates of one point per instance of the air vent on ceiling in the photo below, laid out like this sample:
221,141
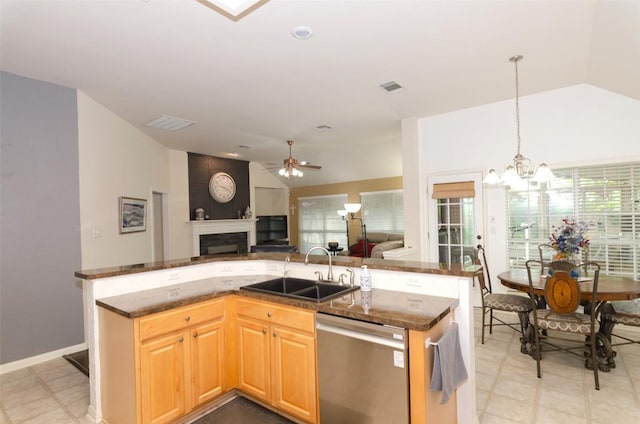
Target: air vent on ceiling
391,87
322,128
169,123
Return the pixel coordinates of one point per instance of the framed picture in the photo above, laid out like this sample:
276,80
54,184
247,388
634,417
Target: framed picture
133,215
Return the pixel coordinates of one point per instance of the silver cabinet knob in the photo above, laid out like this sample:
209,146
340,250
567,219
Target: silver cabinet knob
264,331
187,318
181,339
269,314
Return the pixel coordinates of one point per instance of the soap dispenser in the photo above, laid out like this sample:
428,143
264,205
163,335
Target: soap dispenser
365,279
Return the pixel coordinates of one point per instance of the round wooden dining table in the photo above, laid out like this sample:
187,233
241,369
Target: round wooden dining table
610,288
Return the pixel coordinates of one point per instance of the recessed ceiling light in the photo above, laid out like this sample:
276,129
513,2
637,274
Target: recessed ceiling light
391,87
302,32
169,123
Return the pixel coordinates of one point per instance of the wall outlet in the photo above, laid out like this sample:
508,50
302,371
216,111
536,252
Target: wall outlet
173,293
227,267
174,276
413,282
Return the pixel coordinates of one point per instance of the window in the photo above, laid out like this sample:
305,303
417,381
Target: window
319,221
605,197
383,211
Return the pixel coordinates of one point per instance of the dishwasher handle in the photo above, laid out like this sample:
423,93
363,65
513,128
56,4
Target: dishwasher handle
371,338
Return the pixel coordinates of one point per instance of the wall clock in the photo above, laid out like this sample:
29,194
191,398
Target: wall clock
222,187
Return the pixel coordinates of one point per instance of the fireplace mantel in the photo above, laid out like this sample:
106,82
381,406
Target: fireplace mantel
221,226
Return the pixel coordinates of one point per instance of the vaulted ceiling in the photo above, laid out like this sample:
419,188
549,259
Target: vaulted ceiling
249,85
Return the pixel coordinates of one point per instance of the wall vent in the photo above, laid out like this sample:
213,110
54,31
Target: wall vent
391,87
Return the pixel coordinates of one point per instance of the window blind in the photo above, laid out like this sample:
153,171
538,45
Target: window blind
453,190
383,211
319,222
605,197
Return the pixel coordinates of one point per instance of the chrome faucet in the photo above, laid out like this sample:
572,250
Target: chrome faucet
286,263
306,260
352,277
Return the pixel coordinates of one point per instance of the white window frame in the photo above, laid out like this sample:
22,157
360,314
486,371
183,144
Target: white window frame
608,201
394,222
332,226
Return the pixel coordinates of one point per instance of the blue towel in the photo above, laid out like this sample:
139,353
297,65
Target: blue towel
449,371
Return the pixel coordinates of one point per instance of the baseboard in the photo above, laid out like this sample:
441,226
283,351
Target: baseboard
44,357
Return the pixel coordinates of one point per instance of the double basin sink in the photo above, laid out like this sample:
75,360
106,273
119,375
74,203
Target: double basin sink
300,288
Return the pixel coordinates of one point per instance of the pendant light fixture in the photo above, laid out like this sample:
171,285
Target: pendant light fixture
521,168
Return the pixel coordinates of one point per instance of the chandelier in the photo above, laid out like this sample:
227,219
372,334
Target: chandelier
521,169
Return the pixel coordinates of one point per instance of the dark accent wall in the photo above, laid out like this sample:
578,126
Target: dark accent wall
201,168
41,300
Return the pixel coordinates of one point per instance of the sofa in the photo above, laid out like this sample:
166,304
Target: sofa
377,242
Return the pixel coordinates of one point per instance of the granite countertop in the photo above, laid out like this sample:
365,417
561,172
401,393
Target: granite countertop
347,261
400,309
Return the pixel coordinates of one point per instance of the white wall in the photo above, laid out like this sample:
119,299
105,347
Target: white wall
571,126
116,159
180,228
260,177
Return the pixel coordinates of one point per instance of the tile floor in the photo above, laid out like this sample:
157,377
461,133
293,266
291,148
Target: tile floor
508,391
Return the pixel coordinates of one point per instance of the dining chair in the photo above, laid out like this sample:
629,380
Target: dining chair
563,296
621,312
506,302
547,252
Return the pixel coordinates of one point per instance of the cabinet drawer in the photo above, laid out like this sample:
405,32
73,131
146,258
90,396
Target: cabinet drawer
179,318
283,315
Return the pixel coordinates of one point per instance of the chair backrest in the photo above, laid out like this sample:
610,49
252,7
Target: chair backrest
483,275
547,252
562,291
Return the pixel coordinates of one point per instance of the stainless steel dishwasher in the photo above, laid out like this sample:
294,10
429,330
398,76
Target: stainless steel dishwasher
362,372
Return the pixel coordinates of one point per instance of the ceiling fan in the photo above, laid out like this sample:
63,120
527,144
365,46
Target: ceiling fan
292,165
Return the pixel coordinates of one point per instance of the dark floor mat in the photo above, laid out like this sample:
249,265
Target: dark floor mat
241,410
79,360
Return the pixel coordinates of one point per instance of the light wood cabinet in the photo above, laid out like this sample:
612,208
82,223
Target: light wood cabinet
159,367
162,379
277,360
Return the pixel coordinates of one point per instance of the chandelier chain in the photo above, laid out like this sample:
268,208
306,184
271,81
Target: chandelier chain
516,59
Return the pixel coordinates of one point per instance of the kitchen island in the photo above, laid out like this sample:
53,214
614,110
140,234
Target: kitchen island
412,295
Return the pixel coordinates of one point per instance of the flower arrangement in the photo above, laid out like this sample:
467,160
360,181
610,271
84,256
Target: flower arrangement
569,238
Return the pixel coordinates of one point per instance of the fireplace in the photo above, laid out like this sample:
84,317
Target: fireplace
218,244
228,233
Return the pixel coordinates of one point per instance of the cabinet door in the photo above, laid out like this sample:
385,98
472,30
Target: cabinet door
294,373
207,361
162,378
254,358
